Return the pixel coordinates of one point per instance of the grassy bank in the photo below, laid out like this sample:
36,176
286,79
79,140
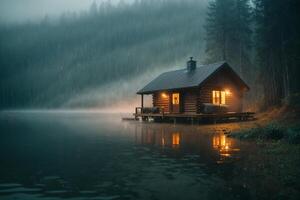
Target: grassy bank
273,131
276,163
276,124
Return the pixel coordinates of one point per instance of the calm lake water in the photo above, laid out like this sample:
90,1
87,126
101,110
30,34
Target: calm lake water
99,156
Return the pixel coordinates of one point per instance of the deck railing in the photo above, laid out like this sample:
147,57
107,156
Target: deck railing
149,110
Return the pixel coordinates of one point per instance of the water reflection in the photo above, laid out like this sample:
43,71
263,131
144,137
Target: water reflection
98,157
209,143
175,139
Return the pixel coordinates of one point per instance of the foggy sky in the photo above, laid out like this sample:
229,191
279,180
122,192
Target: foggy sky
24,10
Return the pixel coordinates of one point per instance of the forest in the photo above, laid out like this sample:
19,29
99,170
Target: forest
50,63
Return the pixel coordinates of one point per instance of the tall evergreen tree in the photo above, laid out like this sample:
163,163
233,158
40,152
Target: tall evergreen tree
241,43
277,46
218,29
228,33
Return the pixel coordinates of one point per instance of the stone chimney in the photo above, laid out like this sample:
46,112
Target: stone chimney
191,65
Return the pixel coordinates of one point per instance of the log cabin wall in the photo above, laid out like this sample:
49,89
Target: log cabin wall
221,81
162,101
189,98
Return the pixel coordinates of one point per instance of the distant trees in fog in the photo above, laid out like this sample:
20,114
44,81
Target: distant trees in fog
46,64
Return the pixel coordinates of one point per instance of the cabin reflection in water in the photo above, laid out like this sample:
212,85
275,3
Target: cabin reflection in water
210,145
157,137
175,139
223,144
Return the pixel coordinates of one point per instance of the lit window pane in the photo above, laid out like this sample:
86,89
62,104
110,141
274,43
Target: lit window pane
218,97
175,98
223,97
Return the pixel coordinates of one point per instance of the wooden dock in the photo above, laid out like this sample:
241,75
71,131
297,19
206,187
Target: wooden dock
216,117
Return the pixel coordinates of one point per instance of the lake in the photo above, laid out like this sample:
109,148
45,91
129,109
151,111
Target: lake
75,155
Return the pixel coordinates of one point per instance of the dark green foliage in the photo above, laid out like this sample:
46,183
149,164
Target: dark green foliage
273,131
219,30
293,101
278,47
252,133
228,33
272,66
293,135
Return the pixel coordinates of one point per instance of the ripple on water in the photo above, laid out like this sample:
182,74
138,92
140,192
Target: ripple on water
8,185
20,190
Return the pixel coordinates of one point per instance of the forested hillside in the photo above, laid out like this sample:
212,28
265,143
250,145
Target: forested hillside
48,64
105,54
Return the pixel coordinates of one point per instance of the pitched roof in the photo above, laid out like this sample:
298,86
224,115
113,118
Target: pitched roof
182,78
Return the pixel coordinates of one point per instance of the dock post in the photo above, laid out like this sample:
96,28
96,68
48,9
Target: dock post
136,112
142,103
215,120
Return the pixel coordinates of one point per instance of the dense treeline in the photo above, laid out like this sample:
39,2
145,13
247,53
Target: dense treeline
261,39
229,33
47,64
278,47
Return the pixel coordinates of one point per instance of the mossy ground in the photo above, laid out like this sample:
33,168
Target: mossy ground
276,163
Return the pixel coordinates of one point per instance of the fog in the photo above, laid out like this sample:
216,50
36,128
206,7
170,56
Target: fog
12,11
98,59
97,54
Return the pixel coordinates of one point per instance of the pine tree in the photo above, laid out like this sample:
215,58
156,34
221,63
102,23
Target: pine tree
241,44
218,29
228,33
277,48
94,8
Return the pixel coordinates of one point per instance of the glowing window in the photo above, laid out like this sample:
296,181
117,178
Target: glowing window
223,93
175,98
218,97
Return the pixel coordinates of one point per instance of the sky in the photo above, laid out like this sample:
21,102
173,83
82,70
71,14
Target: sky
31,10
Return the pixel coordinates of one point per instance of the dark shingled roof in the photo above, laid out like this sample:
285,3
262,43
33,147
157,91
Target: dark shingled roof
184,79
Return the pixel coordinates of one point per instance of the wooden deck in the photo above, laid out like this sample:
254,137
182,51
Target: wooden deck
242,116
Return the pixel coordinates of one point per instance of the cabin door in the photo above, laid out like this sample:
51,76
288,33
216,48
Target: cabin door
175,103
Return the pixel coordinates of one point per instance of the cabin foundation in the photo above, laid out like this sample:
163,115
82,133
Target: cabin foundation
195,118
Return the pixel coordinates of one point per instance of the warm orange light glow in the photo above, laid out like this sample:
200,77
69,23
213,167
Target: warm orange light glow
223,97
227,92
175,98
164,95
175,139
221,143
218,97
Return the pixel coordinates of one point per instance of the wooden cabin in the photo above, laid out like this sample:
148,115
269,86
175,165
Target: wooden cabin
194,91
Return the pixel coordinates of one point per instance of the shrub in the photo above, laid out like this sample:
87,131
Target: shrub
293,100
293,136
272,131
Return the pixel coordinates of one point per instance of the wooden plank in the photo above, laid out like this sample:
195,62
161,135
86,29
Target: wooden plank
188,115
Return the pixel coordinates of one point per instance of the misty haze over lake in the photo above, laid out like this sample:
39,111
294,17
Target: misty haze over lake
110,49
81,155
